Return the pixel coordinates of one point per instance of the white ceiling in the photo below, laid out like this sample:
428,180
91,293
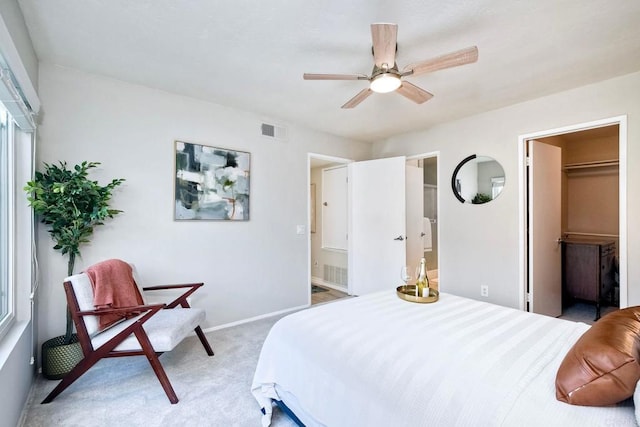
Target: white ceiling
252,54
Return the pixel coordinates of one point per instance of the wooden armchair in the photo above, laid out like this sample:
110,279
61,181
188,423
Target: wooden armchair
147,330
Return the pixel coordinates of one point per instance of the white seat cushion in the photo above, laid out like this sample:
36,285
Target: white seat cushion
166,329
84,295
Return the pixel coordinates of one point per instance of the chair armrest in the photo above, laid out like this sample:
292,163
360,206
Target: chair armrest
123,310
182,299
176,286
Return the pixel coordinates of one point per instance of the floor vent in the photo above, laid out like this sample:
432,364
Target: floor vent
273,131
335,275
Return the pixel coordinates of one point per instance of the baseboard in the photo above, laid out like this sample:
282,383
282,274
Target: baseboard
318,281
253,319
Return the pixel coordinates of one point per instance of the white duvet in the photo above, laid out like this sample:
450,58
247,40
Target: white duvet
378,360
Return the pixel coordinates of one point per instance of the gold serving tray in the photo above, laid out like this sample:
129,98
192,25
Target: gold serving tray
408,293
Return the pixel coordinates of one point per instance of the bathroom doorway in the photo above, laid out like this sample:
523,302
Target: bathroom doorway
422,213
328,213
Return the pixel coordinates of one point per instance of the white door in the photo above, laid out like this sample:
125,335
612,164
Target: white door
334,208
376,239
545,250
415,216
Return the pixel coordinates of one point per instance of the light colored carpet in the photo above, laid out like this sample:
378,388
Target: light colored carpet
213,391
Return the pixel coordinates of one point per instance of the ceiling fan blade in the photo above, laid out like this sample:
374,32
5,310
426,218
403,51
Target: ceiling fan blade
384,37
454,59
308,76
361,96
414,93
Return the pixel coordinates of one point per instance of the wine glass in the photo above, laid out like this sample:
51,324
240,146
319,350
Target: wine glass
405,274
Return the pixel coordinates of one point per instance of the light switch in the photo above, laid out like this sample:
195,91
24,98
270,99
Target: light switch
300,229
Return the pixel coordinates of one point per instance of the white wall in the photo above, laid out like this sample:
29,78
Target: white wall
479,243
249,268
16,374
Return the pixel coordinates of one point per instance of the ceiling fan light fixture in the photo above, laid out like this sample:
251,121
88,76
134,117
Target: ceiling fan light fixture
386,77
385,83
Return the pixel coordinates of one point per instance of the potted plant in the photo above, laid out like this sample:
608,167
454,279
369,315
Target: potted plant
71,205
480,198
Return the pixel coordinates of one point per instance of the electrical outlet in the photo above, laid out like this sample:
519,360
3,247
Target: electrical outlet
484,290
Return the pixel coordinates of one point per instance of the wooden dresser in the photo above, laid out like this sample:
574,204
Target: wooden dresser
588,270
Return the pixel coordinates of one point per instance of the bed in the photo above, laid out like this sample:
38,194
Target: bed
377,360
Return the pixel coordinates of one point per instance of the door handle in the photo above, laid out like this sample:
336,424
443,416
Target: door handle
422,234
399,238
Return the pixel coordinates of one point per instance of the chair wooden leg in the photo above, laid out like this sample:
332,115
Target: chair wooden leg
203,340
152,357
72,376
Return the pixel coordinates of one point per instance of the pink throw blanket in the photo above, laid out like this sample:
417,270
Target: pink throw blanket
113,287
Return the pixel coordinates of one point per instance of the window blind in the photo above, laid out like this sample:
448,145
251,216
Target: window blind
14,102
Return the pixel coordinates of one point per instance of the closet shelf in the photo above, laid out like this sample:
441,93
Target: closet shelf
588,165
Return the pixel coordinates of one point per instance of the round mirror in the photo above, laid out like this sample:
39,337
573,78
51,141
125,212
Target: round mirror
477,180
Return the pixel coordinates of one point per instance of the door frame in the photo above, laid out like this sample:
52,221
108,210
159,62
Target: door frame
621,121
331,159
428,155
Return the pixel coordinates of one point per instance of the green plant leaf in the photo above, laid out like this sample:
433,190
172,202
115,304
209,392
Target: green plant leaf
70,203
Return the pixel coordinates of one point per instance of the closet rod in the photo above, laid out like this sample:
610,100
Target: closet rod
585,165
577,233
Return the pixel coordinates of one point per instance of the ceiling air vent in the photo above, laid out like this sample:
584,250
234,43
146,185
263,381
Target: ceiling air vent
273,131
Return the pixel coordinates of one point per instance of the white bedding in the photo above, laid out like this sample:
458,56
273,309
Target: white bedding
377,360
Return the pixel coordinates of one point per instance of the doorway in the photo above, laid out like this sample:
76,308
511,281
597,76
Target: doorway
328,254
377,197
587,176
422,213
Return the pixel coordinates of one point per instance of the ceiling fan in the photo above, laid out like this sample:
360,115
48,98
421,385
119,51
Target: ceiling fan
386,77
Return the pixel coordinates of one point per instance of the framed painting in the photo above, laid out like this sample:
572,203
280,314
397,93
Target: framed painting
211,183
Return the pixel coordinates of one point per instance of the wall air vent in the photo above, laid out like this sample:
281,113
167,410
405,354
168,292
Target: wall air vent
335,275
273,131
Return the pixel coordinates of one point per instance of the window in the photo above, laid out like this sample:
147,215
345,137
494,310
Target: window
497,184
6,224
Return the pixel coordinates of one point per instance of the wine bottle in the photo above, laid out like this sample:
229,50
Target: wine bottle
422,283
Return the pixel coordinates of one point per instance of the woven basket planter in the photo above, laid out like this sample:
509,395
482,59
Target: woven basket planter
58,358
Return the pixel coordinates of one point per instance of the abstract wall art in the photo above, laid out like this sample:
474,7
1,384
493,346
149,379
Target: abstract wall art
211,183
